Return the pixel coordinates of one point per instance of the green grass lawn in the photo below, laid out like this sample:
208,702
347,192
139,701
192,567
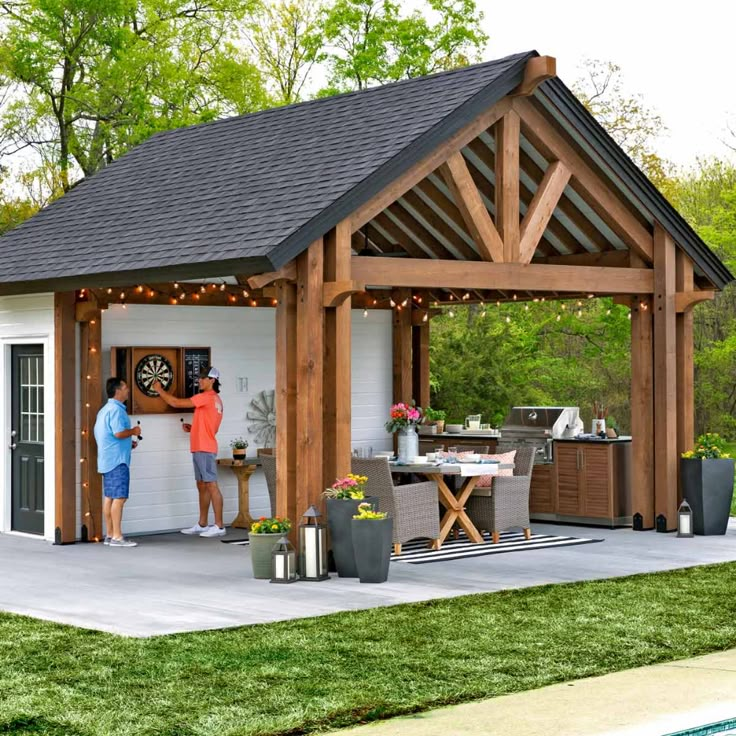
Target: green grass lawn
318,673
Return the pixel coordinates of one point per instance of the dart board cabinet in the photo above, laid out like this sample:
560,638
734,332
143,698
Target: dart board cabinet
177,368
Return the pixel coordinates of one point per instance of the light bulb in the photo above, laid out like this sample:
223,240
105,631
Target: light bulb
365,313
392,302
222,286
202,289
245,294
451,313
425,317
176,284
405,302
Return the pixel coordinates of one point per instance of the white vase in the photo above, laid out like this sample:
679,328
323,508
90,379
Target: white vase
408,444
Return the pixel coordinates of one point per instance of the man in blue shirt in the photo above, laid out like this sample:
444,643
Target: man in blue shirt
114,434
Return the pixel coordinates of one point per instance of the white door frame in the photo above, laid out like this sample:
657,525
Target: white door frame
49,461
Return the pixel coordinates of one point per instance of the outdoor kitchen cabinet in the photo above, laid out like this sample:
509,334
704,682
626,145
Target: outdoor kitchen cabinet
593,482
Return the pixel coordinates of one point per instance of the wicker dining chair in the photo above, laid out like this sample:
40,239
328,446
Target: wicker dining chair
481,449
506,504
268,463
413,507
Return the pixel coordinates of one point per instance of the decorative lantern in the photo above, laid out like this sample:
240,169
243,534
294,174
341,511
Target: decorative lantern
312,547
684,520
283,562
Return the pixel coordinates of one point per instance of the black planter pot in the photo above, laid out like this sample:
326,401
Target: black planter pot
372,546
340,513
708,487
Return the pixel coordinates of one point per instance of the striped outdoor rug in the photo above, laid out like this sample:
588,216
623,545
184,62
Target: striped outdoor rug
417,552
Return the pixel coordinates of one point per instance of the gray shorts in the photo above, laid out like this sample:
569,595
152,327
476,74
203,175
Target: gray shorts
205,466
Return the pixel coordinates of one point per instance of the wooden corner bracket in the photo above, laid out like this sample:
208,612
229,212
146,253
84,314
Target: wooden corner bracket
334,293
287,272
686,300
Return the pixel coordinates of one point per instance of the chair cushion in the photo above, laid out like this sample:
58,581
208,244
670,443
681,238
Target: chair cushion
505,457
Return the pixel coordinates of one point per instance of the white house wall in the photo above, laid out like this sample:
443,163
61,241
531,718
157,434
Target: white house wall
28,320
163,493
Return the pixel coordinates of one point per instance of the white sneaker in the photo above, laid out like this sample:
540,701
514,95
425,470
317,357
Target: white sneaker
214,531
196,529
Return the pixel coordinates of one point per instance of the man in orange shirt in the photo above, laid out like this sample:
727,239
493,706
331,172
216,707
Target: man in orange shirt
207,407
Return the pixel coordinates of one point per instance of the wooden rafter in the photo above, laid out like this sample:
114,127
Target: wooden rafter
399,236
586,182
417,231
425,167
541,208
434,274
467,198
537,71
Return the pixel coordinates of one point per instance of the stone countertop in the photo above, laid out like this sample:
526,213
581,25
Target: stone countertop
460,435
599,441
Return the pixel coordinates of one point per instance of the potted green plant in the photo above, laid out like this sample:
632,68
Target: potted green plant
436,418
239,446
706,475
343,498
372,535
264,536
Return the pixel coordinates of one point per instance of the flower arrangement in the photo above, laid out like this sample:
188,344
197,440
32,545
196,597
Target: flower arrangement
239,443
275,525
403,415
353,486
708,446
365,511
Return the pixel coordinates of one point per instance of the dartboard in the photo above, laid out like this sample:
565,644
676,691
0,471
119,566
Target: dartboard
152,368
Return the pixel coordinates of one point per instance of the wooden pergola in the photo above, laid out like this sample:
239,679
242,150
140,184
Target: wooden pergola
529,199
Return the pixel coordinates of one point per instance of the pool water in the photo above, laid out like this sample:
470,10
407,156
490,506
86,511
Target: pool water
724,728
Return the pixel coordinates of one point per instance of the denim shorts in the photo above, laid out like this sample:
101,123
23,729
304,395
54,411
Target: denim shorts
116,483
205,466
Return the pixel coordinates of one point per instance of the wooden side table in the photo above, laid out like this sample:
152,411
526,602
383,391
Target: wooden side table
243,470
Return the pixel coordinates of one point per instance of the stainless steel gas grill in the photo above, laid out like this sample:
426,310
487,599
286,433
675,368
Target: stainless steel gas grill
538,426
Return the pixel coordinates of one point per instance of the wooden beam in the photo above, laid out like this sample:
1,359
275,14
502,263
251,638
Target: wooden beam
616,258
467,198
402,346
287,272
665,382
425,167
541,208
336,292
537,71
90,381
642,411
65,361
286,461
507,184
337,393
685,355
686,300
434,274
310,333
585,181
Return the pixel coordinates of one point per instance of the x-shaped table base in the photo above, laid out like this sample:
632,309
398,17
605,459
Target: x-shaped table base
455,506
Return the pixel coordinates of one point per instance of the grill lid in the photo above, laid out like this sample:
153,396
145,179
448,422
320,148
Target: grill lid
542,422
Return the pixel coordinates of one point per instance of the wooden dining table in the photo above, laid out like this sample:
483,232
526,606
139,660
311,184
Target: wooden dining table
454,501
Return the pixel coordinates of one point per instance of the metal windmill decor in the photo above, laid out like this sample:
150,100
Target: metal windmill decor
263,416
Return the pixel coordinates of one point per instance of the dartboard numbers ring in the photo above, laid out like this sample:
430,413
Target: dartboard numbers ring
150,368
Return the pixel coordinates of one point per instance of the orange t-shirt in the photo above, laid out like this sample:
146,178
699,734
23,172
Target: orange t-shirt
206,422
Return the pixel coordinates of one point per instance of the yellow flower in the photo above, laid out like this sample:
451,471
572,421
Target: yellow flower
275,527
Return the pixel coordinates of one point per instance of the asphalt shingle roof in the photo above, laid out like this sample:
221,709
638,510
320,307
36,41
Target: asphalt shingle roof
239,188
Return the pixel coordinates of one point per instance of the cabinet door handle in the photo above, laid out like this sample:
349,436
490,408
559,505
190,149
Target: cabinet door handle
582,459
577,458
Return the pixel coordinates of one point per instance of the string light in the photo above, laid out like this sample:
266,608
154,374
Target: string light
580,304
173,300
392,302
526,307
176,284
483,313
425,317
222,286
514,297
253,303
466,296
375,301
122,295
563,305
275,302
195,297
451,313
498,303
580,312
245,294
508,319
558,317
125,306
590,296
365,313
139,289
452,297
109,290
405,302
151,294
182,295
608,311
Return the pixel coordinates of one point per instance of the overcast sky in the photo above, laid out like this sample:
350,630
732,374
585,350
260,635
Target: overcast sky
678,56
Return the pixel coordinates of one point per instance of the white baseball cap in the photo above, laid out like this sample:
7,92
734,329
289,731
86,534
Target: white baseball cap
211,373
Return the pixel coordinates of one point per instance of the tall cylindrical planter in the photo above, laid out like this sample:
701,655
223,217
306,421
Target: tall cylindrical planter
372,544
261,546
708,487
340,512
408,447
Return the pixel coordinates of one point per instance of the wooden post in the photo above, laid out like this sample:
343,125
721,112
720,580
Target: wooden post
337,388
420,360
65,436
685,367
310,331
286,477
507,184
665,382
642,413
90,364
402,344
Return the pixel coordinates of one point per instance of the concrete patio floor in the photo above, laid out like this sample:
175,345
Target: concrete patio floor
172,583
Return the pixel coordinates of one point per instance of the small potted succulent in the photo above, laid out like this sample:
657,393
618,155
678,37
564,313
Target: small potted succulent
264,536
706,475
239,446
343,498
372,536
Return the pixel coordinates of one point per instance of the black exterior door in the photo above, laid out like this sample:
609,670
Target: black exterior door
27,438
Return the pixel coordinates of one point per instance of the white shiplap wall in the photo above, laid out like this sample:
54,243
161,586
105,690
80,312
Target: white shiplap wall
163,493
27,319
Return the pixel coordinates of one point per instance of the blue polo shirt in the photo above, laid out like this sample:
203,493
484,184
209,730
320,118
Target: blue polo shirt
111,451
